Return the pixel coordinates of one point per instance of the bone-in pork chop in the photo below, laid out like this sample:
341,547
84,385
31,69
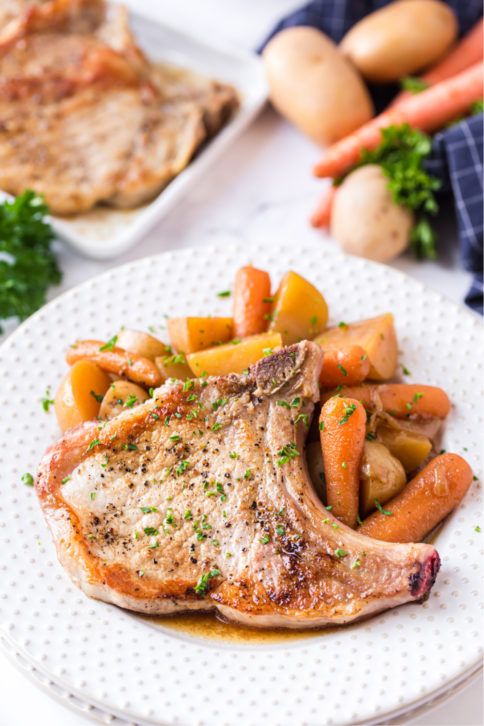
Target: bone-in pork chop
199,499
83,115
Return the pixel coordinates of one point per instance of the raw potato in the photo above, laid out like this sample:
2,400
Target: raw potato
314,459
232,358
400,39
313,85
365,221
300,311
173,365
382,476
76,399
121,396
376,336
409,448
188,335
144,344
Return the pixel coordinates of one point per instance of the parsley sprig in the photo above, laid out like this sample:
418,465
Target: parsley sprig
28,266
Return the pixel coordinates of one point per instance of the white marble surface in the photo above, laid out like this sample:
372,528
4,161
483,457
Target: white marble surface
261,189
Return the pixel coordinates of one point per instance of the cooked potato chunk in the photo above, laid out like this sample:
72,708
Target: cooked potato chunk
121,396
144,344
80,393
233,357
382,476
299,312
173,365
410,448
188,335
376,336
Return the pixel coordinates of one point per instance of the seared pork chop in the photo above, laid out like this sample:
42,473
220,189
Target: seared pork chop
199,499
83,119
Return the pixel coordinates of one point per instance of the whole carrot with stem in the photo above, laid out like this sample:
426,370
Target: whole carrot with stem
427,111
399,399
426,500
345,366
466,53
342,425
321,216
252,301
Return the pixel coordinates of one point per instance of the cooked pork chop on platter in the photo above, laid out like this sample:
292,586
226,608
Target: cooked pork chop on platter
85,118
200,499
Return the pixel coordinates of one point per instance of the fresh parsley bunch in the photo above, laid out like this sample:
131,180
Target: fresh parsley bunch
27,264
401,154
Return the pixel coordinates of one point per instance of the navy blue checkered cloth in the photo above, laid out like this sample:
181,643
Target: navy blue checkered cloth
457,151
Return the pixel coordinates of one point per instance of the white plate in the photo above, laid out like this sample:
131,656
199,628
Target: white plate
104,232
114,659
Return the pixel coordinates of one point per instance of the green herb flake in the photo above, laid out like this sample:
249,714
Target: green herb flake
413,84
46,401
280,530
130,401
304,418
286,453
92,495
340,552
342,369
109,345
97,396
267,351
202,586
321,426
28,480
265,539
380,508
347,412
94,442
283,403
224,293
405,370
150,530
147,510
218,403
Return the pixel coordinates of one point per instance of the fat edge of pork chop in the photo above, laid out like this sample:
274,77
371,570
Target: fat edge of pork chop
199,499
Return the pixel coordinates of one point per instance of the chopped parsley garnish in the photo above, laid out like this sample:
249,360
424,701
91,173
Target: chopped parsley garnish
224,293
216,427
347,412
321,426
130,401
405,370
413,84
342,324
150,530
304,418
417,397
28,480
265,539
267,352
358,520
46,401
183,466
146,510
234,455
154,545
109,345
477,528
380,508
344,465
92,495
283,403
94,442
218,403
187,514
130,447
202,586
286,453
175,437
356,563
340,552
248,474
170,519
280,530
269,299
342,369
97,396
296,402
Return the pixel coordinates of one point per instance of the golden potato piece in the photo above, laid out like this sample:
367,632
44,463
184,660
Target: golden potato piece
173,365
188,335
300,311
233,357
376,336
382,476
80,393
121,396
144,344
410,448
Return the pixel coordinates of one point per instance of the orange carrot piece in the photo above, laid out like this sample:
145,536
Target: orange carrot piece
466,53
425,501
427,111
399,399
346,366
252,306
342,424
116,360
321,216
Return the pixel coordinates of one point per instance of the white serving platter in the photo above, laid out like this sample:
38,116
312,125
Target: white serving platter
146,672
104,232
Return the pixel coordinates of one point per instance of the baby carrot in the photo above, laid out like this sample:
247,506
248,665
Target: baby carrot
321,216
115,360
427,111
346,366
400,399
252,303
342,424
424,502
